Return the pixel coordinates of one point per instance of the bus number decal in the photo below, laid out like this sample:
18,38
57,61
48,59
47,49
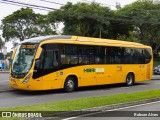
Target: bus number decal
94,70
99,70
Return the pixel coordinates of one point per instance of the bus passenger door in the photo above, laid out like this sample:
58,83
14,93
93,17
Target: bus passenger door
57,81
50,69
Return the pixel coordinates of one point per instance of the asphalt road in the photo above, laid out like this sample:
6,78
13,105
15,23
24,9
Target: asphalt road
149,111
10,97
4,81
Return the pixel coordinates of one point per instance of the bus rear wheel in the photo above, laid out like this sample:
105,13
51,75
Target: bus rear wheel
130,79
69,84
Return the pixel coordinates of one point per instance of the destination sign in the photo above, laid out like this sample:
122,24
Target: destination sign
28,46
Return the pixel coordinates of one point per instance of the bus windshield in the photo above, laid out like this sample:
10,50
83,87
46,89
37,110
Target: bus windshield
23,58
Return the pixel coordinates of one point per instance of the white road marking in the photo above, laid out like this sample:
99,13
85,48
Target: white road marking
70,118
134,106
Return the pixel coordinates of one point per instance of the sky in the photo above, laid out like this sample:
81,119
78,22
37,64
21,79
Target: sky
7,9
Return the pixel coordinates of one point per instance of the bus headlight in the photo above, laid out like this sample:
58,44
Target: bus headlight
26,79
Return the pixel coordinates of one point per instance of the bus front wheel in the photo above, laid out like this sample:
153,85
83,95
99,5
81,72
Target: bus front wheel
130,79
69,84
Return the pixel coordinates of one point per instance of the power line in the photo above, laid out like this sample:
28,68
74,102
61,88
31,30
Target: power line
23,6
99,18
28,5
52,2
127,19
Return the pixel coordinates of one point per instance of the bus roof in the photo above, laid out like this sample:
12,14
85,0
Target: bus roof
43,38
82,40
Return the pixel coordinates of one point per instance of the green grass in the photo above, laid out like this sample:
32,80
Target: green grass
90,102
82,103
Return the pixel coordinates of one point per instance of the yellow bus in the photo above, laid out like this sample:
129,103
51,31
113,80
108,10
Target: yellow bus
70,62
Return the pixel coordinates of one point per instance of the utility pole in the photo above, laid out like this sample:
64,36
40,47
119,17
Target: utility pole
100,32
118,5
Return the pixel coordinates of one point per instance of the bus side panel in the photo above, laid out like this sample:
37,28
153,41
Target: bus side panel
89,75
137,69
108,76
85,74
139,72
52,81
148,72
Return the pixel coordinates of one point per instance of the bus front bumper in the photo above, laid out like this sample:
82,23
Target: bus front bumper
20,86
17,84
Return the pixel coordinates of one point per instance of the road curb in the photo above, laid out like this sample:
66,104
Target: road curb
120,105
83,112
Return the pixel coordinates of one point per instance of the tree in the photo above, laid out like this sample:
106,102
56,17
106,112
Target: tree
24,24
1,44
119,28
83,19
144,16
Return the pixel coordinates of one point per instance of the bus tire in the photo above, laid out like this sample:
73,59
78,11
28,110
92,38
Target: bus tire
130,79
70,84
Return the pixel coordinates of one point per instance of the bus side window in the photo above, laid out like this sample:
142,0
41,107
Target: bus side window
139,56
48,59
147,55
55,58
51,59
39,61
129,54
97,55
69,56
